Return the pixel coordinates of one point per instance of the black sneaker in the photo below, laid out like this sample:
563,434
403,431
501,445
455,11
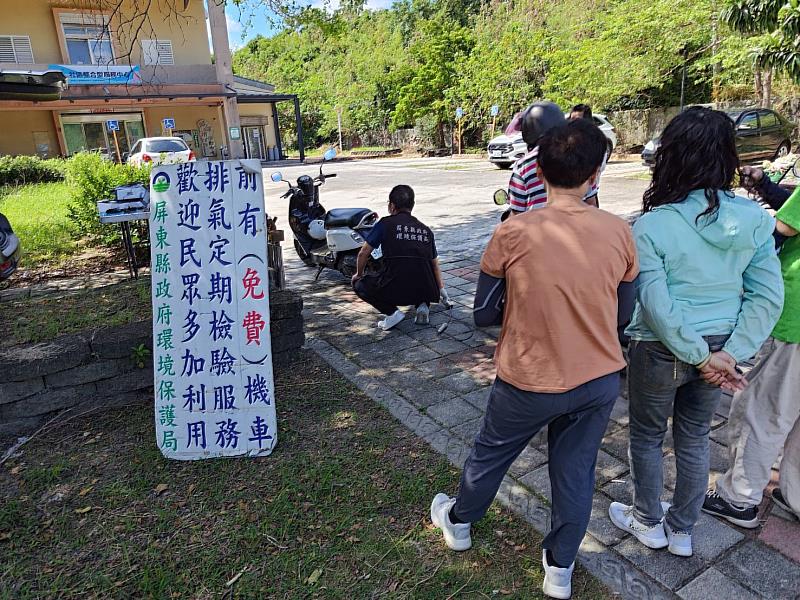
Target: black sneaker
777,498
716,505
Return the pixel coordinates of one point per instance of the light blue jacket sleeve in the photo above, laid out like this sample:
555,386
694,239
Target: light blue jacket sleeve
664,317
762,303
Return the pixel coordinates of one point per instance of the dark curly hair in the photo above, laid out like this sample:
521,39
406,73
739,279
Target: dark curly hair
697,151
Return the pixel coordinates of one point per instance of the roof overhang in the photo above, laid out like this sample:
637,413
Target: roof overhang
41,86
261,98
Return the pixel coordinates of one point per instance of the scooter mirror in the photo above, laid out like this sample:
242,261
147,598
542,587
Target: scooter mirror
276,177
330,154
501,197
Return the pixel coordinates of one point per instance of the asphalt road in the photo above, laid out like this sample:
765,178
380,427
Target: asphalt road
453,197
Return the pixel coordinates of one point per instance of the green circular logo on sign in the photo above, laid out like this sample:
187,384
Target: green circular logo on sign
161,182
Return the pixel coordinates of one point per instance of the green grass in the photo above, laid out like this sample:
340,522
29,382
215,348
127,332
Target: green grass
38,319
92,510
38,215
642,176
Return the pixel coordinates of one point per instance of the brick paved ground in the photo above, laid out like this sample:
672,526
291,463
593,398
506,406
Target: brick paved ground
438,385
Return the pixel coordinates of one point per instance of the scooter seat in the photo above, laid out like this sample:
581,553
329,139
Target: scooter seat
345,217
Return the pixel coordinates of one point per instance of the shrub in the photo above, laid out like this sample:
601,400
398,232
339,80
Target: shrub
20,170
93,179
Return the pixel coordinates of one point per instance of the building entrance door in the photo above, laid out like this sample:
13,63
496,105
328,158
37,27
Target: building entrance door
84,132
254,142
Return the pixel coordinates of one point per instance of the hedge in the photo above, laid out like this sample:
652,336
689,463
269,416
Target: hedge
19,170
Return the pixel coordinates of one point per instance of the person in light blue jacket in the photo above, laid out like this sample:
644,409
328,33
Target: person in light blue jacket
708,295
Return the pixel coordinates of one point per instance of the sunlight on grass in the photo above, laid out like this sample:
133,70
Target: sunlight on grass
334,512
34,320
39,216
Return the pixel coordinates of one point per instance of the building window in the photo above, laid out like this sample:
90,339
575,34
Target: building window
16,49
157,52
88,39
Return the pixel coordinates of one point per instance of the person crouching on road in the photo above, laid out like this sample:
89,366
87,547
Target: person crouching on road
410,275
765,417
555,272
708,295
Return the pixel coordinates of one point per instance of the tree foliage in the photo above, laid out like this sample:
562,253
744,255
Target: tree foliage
776,23
414,63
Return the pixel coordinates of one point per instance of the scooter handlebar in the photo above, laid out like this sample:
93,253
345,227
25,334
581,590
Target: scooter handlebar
331,175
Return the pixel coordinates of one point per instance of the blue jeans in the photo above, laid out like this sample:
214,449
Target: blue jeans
660,386
575,423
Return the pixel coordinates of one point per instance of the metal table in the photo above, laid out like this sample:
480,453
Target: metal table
115,212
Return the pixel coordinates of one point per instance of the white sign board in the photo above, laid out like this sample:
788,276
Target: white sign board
495,110
212,357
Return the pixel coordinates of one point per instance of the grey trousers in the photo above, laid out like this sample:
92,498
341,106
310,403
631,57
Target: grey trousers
764,418
576,422
659,387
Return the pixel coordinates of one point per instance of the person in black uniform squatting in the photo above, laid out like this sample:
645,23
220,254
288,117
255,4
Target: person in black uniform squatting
410,275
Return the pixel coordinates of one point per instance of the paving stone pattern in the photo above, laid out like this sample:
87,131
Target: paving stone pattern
438,386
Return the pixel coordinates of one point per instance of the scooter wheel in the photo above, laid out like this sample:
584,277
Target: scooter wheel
303,256
347,265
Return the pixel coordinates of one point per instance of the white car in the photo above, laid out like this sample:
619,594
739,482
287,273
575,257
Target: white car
505,150
160,151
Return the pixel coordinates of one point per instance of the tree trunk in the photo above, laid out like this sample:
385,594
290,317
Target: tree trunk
759,89
766,89
440,134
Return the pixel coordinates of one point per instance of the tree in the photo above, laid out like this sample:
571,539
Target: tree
436,54
630,54
775,27
506,67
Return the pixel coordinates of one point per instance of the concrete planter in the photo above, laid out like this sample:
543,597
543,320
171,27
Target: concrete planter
96,367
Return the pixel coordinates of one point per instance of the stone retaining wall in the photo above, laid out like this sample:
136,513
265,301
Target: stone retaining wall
96,368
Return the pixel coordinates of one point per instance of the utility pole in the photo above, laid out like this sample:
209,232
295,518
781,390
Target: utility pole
339,120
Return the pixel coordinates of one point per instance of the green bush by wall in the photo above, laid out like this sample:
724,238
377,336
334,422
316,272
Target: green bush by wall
21,170
93,179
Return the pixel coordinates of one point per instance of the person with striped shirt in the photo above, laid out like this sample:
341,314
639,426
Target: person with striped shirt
526,190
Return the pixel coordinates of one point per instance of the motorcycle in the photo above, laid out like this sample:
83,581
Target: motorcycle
9,249
327,239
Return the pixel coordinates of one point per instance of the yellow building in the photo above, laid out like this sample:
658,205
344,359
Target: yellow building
152,73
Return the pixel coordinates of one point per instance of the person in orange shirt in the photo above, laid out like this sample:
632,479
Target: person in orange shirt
555,273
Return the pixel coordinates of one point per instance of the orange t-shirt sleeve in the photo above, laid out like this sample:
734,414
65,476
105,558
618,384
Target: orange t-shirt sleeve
495,256
633,258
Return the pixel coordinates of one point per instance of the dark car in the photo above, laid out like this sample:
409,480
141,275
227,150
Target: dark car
9,249
760,134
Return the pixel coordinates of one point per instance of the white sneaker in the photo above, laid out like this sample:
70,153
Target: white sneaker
455,536
392,320
651,536
423,316
557,581
680,542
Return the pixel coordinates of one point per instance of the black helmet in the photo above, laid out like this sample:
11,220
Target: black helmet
538,119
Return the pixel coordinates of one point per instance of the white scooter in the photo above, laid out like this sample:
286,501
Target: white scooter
326,239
